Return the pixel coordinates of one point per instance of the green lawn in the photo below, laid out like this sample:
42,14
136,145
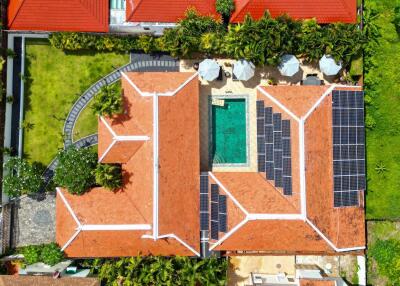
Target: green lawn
86,123
383,142
54,80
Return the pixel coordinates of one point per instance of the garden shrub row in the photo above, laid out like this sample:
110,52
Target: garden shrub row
262,41
49,254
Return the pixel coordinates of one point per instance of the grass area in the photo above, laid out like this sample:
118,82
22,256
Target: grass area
87,120
54,80
382,231
86,123
383,151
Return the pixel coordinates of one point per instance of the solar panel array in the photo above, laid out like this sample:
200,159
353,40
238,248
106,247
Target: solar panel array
274,147
204,213
348,146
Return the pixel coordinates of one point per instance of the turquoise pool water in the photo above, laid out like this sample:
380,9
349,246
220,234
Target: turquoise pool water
229,140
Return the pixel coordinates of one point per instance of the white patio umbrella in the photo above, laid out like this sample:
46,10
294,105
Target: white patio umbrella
209,69
329,66
289,65
243,70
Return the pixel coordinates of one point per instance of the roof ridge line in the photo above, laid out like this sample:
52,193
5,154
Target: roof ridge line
181,241
134,8
16,14
99,21
239,11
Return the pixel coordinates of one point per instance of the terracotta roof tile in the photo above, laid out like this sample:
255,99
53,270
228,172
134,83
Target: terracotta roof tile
11,280
50,15
165,11
316,282
325,11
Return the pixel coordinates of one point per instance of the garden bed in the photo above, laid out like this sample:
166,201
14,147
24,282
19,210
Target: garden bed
54,80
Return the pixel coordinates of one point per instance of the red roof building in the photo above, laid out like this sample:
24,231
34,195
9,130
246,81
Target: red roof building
325,11
165,11
59,15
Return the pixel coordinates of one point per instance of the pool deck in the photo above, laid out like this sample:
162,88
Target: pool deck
229,87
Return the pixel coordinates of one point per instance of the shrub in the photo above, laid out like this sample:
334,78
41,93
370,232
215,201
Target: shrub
108,101
21,178
109,176
387,255
225,7
31,254
75,170
51,254
396,18
370,122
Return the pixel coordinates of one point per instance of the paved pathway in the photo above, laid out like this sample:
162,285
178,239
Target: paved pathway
138,62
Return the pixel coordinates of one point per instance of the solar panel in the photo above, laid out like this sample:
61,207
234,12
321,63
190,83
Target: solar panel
214,211
287,185
261,163
268,115
286,166
278,178
214,230
269,152
269,170
222,204
260,109
203,202
278,140
269,134
204,184
278,159
260,126
204,221
222,223
348,146
277,121
261,145
286,147
285,128
214,192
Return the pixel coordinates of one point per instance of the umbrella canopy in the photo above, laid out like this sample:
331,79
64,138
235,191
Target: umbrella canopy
328,65
209,69
289,65
243,70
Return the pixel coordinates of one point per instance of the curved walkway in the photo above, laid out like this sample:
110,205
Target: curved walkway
139,63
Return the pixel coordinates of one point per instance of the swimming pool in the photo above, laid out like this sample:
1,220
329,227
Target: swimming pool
229,131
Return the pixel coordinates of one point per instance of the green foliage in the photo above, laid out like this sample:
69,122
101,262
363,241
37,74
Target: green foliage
386,253
109,176
31,254
75,170
370,122
396,19
262,41
21,177
225,7
49,254
108,101
157,270
356,67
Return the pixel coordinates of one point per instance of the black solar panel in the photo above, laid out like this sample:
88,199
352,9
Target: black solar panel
268,115
269,152
260,145
214,211
222,204
285,128
204,221
260,109
214,230
278,140
269,134
286,147
223,223
261,163
278,178
269,170
203,202
204,184
348,146
286,166
278,159
260,126
277,121
214,193
287,185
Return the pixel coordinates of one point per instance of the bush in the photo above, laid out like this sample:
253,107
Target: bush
225,7
370,122
387,255
109,176
49,254
396,19
21,178
108,101
75,170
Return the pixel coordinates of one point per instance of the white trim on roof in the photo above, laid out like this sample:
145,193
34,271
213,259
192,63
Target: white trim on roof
59,192
108,126
155,167
262,216
107,150
132,138
277,102
303,195
89,227
132,83
172,235
330,242
235,201
325,94
71,239
229,233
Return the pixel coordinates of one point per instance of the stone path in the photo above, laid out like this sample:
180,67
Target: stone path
139,63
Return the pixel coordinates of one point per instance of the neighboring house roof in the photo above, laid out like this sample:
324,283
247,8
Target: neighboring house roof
50,15
325,11
317,282
261,218
165,11
156,140
21,280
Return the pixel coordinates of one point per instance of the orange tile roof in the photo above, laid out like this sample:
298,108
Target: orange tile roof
316,282
165,11
325,11
177,175
50,15
24,280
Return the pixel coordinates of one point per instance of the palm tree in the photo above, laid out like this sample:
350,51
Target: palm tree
108,101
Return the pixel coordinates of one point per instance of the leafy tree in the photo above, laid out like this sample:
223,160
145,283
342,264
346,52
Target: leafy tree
51,254
75,170
396,19
31,254
21,177
225,7
109,176
108,101
387,255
